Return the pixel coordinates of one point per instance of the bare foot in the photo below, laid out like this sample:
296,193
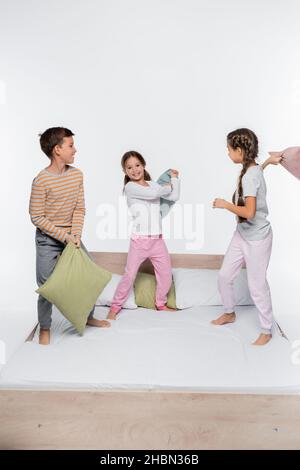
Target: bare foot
165,308
44,337
225,318
98,323
111,315
262,339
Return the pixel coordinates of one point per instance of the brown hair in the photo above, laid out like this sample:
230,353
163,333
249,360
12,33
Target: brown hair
133,153
52,137
246,140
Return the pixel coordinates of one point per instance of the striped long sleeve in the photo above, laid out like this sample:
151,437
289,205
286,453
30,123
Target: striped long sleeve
57,203
79,213
37,213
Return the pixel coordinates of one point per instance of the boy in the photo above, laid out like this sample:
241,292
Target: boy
57,209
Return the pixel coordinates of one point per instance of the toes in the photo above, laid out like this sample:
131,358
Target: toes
218,321
261,341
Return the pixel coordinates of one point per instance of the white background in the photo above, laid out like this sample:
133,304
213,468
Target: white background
169,78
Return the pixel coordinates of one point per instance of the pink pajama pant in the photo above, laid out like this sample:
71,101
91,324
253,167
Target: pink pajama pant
256,255
140,249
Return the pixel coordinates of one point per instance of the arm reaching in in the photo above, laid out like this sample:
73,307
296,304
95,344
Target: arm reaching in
274,159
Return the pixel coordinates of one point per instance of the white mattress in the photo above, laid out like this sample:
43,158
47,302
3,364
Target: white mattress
146,349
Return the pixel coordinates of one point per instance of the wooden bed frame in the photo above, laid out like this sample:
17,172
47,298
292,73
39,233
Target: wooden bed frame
118,419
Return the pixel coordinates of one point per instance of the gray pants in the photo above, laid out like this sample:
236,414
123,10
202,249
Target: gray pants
47,251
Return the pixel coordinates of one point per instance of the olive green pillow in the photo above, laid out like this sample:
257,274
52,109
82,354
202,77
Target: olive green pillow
75,285
144,291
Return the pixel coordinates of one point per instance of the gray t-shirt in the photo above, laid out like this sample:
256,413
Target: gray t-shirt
253,183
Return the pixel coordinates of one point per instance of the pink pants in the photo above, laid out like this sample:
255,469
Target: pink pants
256,255
140,249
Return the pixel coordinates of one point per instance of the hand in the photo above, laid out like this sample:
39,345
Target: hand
73,239
174,173
220,204
275,158
77,240
69,238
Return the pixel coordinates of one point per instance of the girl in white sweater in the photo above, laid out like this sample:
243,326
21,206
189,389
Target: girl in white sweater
143,199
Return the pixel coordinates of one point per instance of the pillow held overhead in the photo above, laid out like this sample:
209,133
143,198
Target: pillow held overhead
75,285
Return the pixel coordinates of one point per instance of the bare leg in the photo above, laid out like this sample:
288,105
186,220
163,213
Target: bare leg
262,339
225,318
44,337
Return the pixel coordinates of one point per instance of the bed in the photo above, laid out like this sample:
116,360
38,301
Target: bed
154,380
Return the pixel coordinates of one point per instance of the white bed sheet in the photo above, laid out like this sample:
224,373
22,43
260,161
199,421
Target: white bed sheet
146,349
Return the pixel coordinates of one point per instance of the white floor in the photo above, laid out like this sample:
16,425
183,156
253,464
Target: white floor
146,349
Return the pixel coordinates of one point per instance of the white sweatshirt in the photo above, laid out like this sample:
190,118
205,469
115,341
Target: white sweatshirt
144,204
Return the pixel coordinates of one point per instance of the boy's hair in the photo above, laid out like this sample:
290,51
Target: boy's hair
52,137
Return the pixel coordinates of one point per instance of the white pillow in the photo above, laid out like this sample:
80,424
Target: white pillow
106,296
200,287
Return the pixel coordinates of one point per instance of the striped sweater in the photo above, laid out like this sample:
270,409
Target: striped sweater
57,203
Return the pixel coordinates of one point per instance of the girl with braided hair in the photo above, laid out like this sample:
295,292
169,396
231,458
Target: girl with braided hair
251,244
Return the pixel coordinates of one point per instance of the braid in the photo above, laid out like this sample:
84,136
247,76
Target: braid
246,140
